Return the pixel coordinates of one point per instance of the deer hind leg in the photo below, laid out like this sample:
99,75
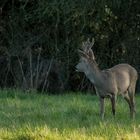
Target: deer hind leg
128,99
131,92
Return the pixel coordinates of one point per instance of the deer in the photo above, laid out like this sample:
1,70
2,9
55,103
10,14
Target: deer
119,80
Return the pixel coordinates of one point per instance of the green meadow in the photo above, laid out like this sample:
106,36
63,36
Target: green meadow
70,116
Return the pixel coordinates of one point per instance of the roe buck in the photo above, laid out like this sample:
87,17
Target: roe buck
120,79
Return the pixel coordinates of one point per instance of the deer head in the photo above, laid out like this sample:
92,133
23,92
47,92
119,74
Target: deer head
86,55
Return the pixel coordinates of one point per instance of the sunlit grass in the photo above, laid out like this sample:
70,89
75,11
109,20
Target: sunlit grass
30,116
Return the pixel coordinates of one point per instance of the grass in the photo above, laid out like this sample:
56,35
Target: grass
64,117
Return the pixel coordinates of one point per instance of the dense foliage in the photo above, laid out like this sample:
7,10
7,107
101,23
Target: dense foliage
39,40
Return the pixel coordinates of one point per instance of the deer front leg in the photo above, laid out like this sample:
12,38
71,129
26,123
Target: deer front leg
113,103
102,107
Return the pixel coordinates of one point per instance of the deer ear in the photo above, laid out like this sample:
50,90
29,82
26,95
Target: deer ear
82,53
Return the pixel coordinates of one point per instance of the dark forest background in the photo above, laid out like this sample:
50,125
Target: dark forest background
39,40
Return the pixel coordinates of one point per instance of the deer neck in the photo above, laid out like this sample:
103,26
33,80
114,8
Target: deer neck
93,73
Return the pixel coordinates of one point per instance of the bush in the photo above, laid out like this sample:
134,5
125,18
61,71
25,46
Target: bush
33,32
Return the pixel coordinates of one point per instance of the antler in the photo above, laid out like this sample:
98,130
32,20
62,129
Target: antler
87,45
86,48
